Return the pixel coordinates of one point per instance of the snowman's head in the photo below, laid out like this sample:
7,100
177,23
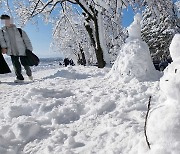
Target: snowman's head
134,30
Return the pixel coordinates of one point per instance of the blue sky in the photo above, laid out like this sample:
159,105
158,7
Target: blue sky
128,17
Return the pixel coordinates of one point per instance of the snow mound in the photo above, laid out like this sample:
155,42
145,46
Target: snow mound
26,130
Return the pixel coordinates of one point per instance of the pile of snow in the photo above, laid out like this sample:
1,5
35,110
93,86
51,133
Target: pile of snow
134,60
164,122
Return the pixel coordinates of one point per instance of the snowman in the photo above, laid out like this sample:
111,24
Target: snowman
134,59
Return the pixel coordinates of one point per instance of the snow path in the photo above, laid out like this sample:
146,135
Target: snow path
73,110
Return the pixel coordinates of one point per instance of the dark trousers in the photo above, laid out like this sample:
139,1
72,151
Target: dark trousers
17,61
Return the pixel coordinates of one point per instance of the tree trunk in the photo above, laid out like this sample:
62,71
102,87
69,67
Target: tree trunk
96,42
82,56
99,51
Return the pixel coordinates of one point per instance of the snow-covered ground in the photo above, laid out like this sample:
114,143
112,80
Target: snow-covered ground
73,110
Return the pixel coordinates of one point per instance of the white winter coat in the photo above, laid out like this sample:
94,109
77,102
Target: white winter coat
21,45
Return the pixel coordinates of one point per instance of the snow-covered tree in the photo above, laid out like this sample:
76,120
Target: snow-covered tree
113,32
70,36
158,32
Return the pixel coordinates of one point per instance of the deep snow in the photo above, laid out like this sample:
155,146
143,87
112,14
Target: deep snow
73,110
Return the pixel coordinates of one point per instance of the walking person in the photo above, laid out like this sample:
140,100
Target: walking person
66,62
14,45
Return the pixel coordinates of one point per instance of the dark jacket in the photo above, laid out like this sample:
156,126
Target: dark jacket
4,68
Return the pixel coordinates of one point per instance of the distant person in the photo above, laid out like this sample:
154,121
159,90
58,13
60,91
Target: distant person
66,62
14,45
60,63
71,62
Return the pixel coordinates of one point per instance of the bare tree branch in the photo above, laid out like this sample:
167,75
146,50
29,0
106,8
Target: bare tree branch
145,126
85,10
35,7
41,10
